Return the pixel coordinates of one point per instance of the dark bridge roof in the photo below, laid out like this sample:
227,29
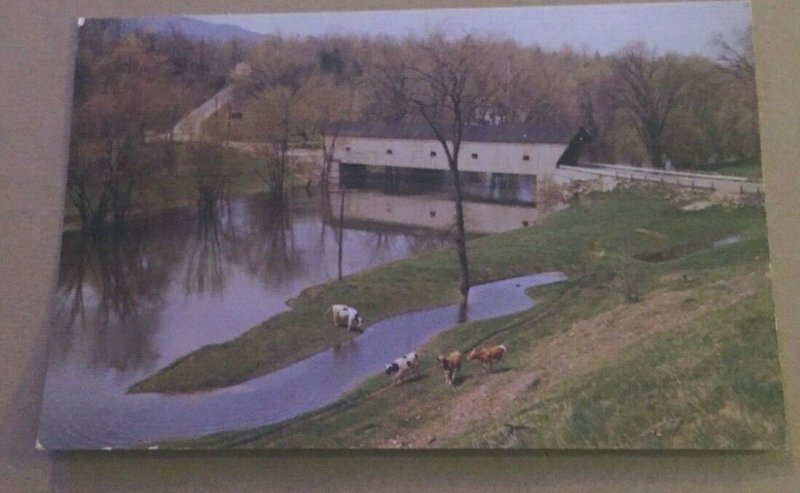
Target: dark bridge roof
517,133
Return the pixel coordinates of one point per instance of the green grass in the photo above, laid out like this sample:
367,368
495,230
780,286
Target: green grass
247,128
746,168
715,384
178,187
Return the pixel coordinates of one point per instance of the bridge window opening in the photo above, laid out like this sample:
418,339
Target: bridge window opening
388,151
433,153
474,155
503,188
353,175
347,149
433,213
511,188
526,157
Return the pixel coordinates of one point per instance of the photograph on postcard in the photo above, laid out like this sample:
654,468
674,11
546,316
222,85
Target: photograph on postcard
529,227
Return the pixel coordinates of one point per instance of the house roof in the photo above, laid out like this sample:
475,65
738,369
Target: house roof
516,133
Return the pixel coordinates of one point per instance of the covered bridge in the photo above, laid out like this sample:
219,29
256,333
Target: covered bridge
489,153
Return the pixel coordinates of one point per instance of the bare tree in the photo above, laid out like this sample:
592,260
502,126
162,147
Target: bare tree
123,93
331,101
648,89
210,171
448,85
737,58
532,87
280,73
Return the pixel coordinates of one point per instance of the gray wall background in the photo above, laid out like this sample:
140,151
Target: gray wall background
36,54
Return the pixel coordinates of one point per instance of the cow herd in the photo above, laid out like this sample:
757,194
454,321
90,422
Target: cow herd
408,366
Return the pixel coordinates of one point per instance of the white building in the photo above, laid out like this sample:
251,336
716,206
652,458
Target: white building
490,156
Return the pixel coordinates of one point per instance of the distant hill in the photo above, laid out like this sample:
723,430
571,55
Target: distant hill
192,28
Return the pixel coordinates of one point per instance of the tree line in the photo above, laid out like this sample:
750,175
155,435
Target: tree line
640,107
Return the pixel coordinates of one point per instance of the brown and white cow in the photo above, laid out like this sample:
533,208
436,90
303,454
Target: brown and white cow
451,364
487,355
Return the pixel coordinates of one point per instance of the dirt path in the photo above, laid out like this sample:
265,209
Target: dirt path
587,345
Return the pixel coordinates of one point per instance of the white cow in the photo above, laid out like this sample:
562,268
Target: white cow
402,366
343,314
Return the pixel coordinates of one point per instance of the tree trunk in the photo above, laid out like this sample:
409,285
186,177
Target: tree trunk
461,237
341,232
656,152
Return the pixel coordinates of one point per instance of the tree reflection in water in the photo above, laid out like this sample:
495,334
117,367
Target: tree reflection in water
111,289
212,245
270,250
118,293
379,242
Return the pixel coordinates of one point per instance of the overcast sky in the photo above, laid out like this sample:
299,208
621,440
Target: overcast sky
681,27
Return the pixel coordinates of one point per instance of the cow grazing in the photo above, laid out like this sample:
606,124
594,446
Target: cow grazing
402,367
487,355
451,364
344,315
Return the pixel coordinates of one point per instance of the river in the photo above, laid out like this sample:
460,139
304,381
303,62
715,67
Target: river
176,281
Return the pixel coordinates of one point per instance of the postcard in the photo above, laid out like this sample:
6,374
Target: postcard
528,227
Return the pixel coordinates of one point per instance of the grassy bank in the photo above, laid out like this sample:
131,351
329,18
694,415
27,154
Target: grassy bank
679,352
713,384
746,168
601,240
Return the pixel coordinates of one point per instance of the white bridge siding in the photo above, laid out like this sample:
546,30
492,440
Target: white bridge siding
491,157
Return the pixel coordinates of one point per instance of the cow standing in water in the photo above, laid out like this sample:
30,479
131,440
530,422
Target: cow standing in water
344,315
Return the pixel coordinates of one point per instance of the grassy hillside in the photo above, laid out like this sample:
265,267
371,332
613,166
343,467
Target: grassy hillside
659,339
676,353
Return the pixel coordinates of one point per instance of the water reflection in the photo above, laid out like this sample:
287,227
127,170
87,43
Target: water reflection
205,269
434,212
116,292
270,249
188,278
110,289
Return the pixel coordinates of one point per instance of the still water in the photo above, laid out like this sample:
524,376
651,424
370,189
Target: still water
175,282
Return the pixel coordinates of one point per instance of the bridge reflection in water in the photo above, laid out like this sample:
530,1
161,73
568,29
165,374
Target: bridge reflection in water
422,198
